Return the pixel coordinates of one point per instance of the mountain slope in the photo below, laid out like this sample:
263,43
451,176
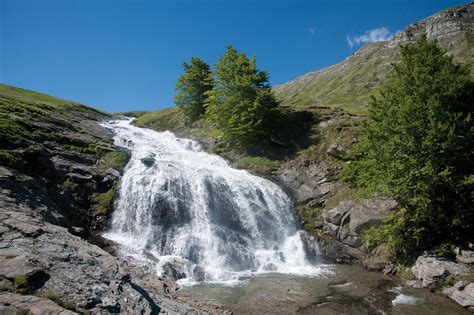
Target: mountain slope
350,83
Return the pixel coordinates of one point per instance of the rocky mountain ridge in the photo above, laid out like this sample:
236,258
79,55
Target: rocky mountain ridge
350,83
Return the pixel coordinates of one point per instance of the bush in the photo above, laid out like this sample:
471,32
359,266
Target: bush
418,146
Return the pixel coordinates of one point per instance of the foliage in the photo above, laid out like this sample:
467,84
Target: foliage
418,146
193,87
241,103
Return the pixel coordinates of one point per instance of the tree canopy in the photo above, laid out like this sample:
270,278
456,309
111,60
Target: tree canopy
241,102
418,146
192,88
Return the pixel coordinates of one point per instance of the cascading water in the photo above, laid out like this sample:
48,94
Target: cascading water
188,214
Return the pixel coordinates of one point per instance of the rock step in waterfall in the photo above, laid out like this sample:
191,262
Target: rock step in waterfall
189,215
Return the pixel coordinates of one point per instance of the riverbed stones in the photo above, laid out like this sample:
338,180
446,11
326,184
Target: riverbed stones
430,271
462,293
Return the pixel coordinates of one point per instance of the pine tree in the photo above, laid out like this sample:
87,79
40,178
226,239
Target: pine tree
192,88
242,101
418,147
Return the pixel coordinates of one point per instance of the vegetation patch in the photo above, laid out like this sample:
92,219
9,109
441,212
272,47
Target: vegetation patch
311,217
114,159
259,165
104,202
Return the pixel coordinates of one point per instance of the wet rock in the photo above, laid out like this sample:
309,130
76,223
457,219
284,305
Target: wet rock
113,172
430,271
462,293
79,178
199,274
12,303
76,230
175,269
148,161
311,245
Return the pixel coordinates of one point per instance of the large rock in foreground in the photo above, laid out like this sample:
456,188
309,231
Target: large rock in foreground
429,271
39,257
462,293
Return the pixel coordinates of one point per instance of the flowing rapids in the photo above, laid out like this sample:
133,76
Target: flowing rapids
189,215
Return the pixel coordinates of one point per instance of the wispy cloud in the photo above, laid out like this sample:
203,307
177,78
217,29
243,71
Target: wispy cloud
371,36
312,30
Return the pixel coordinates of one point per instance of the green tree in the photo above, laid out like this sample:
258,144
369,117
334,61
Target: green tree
418,147
192,88
241,102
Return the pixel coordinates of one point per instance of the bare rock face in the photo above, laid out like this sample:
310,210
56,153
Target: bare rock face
55,262
12,303
308,181
462,293
442,25
348,219
430,271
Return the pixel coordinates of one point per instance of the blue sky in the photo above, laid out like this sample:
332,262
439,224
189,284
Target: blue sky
120,55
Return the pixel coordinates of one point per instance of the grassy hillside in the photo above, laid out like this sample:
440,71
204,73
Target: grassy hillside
32,121
350,84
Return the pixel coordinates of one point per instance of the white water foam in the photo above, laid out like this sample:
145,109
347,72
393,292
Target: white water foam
188,214
404,298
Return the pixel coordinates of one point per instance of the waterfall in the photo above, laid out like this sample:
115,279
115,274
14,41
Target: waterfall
191,216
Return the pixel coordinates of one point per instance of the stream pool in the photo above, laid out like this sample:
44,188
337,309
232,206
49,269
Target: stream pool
349,290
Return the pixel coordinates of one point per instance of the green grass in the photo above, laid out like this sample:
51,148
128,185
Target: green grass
23,114
257,164
114,159
42,100
350,83
344,131
104,202
133,113
20,281
311,217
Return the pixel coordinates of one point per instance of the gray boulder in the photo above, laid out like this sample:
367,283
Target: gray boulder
337,151
462,293
465,256
430,271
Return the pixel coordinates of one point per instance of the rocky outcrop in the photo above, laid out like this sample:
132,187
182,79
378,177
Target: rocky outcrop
462,293
346,221
46,260
465,256
430,271
12,303
444,26
309,181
